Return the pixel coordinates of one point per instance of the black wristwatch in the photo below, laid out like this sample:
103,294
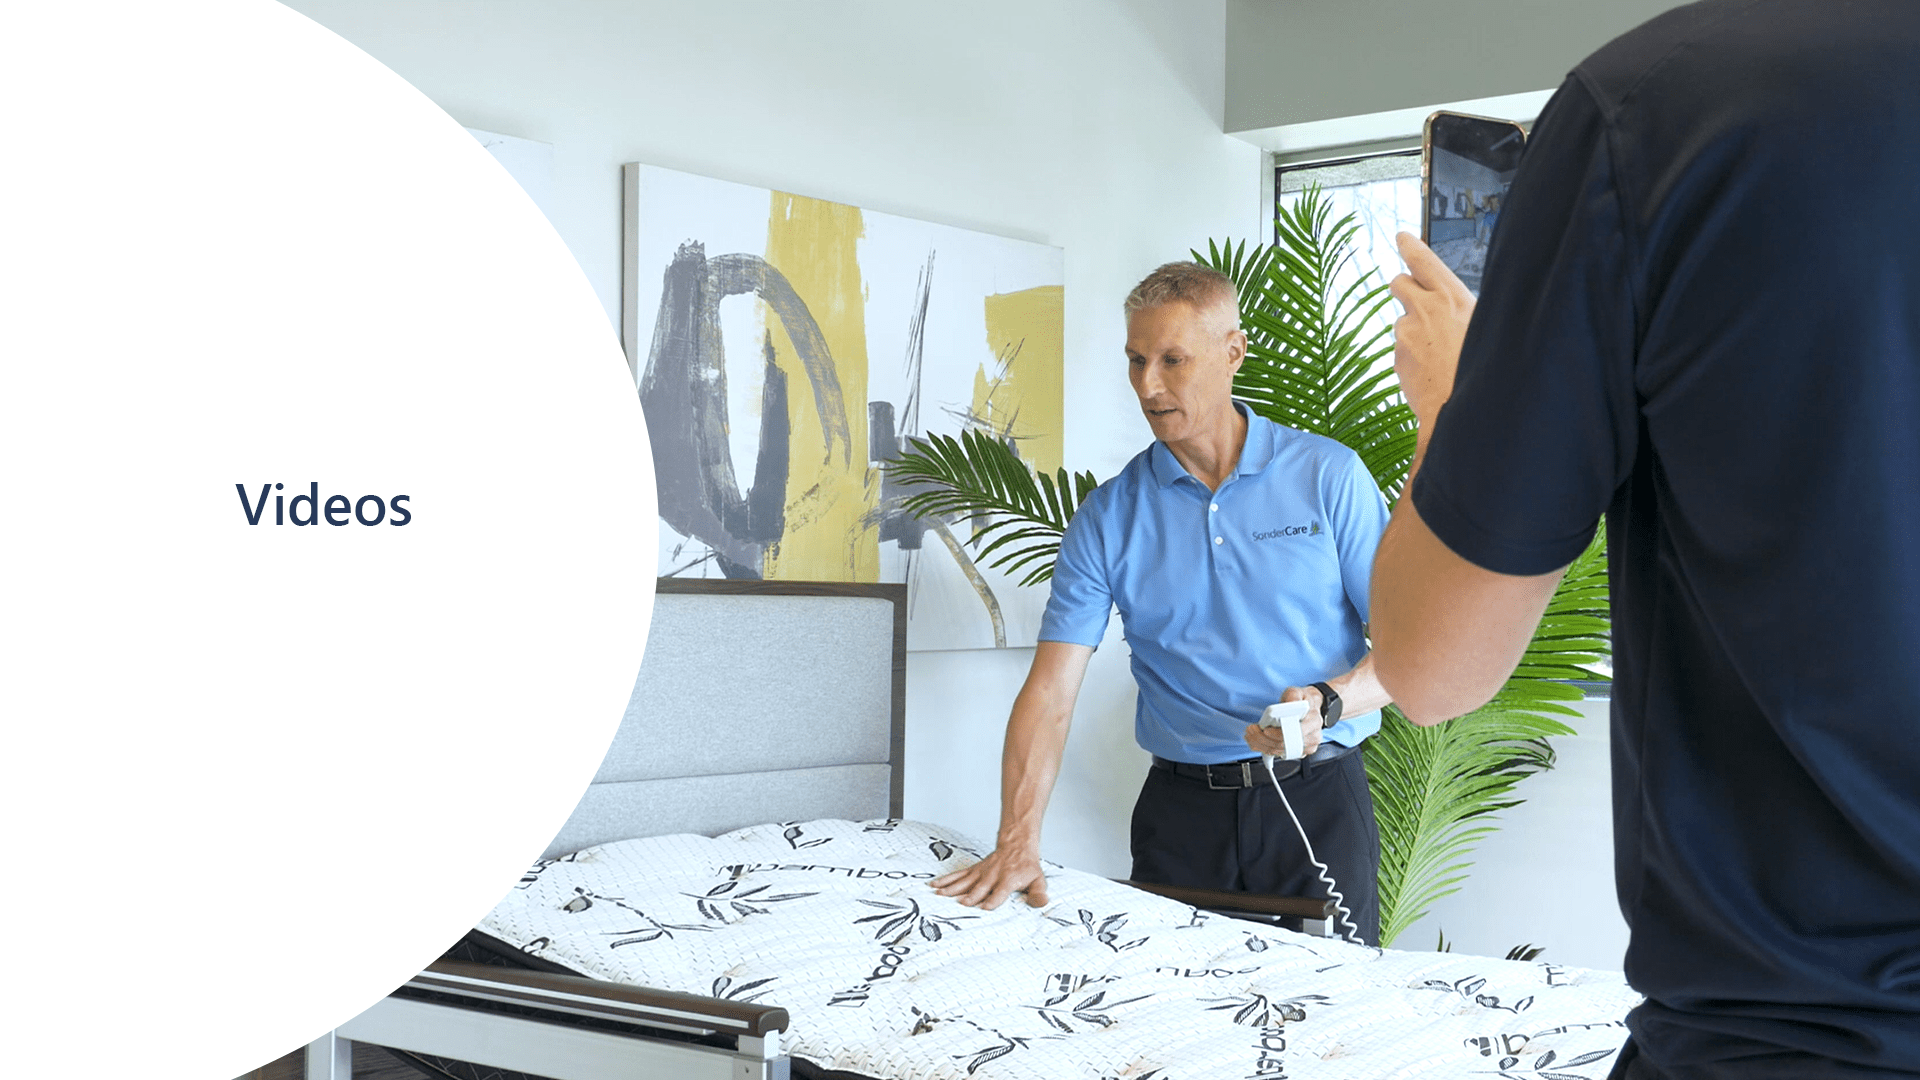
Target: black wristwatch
1329,705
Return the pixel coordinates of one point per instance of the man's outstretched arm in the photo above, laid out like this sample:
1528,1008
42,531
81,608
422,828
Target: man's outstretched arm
1446,633
1029,764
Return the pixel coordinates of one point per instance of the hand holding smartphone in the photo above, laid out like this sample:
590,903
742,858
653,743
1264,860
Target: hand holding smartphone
1466,164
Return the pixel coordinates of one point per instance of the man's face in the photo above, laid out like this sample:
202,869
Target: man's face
1181,362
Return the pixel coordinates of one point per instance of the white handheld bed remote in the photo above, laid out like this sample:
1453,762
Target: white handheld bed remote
1286,716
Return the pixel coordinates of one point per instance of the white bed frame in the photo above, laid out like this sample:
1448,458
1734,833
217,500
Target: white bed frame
727,661
821,664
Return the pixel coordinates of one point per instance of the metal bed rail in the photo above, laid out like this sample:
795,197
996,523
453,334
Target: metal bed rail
566,1027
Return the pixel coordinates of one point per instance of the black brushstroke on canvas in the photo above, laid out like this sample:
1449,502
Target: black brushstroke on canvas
887,434
684,397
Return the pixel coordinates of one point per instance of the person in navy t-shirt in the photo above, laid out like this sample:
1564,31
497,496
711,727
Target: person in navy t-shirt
1701,316
1238,553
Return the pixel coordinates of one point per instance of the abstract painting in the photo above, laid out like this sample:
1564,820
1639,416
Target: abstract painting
786,348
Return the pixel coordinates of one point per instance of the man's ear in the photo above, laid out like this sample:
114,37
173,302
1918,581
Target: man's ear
1236,347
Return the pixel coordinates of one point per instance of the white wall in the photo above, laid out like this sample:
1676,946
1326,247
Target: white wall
1092,125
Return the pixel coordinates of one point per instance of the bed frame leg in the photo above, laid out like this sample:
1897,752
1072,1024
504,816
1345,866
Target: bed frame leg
330,1057
760,1059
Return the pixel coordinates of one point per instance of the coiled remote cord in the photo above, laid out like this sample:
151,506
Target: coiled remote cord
1352,932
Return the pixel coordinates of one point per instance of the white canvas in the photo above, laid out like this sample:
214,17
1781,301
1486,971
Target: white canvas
899,261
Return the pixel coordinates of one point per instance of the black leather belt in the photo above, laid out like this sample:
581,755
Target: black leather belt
1249,772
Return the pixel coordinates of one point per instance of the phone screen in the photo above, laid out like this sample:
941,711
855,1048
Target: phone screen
1469,161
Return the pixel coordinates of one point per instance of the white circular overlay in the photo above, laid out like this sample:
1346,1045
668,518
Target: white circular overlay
258,773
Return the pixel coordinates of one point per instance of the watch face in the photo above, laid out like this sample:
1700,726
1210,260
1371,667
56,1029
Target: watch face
1329,706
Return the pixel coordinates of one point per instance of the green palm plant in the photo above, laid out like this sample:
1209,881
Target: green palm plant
1318,352
1015,508
1435,789
1318,359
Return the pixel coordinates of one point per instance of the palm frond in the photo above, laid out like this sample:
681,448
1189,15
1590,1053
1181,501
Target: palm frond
1434,789
1234,260
1318,351
1018,512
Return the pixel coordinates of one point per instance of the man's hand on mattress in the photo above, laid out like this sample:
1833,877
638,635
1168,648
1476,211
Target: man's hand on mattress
988,883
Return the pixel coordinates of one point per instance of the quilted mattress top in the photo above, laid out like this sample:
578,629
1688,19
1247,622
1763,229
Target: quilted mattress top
834,921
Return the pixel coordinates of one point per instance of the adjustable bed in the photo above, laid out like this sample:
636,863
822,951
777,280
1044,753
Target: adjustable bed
737,897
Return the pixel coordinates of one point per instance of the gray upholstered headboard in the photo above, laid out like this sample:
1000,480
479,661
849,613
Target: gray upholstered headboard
757,701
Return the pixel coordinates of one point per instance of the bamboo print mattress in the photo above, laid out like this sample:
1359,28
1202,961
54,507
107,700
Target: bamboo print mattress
834,921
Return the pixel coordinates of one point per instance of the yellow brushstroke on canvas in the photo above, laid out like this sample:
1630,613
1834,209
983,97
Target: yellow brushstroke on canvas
1022,389
829,496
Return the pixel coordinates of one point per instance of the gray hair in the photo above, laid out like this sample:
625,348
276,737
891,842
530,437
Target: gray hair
1202,287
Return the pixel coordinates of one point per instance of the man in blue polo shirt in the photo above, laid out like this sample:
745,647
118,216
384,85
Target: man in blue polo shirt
1238,553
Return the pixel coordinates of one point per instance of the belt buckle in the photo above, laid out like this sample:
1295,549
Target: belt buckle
1246,778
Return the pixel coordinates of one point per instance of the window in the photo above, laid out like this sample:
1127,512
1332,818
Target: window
1382,191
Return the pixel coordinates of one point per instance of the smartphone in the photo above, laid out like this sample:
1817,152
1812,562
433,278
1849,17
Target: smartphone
1466,164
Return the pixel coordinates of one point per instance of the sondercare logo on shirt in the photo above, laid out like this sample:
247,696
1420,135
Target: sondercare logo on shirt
1310,529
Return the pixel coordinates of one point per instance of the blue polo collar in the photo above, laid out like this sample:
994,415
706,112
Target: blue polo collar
1255,456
